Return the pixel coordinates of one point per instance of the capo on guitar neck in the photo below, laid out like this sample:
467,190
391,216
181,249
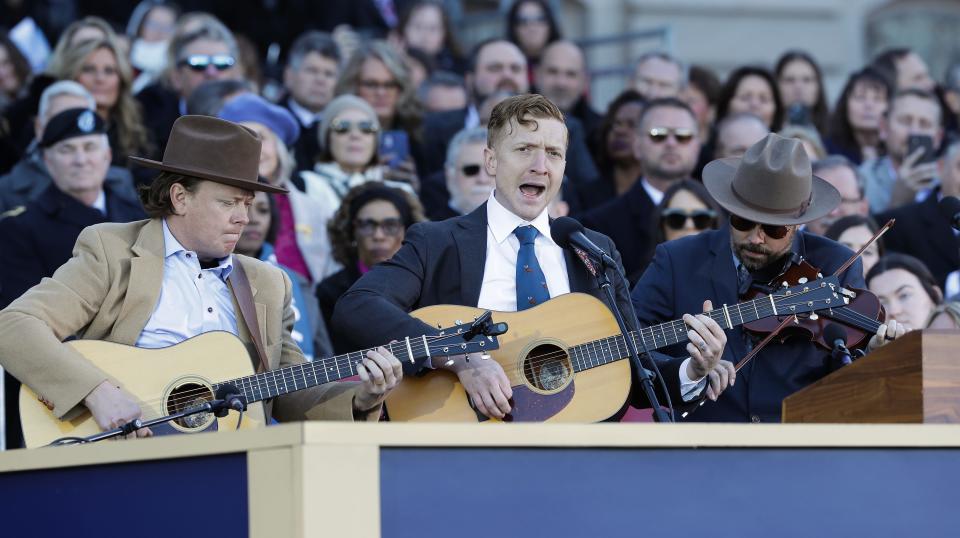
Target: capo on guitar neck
484,325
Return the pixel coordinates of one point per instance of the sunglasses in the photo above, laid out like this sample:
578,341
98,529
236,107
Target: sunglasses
470,170
367,227
200,62
769,230
344,126
660,134
676,218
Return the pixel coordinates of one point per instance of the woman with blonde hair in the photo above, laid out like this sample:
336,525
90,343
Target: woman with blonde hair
100,66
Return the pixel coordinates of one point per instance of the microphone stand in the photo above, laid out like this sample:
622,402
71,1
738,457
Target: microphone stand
643,376
212,406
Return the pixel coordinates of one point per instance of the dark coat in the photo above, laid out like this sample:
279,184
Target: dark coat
442,263
688,271
627,219
39,239
329,290
306,150
161,107
921,231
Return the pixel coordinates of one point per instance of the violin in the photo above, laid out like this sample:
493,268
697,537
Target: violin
861,316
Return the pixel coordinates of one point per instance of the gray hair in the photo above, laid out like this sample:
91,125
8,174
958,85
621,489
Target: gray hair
474,135
836,161
210,28
661,55
63,87
313,41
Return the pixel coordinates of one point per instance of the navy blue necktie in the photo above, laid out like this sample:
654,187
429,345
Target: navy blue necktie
531,284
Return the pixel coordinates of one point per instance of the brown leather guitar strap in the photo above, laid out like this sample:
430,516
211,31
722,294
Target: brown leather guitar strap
241,289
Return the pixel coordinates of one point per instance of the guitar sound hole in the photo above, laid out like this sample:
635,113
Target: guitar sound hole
547,367
186,396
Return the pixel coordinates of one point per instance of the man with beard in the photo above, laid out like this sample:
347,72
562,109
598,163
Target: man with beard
667,147
769,192
561,76
495,64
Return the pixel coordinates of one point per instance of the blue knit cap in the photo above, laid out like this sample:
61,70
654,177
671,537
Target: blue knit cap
252,107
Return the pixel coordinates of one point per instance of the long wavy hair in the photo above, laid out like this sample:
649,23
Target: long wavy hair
126,113
729,90
840,132
408,113
66,38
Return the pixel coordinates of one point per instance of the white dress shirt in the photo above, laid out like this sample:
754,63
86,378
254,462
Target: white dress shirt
655,194
306,117
192,300
499,288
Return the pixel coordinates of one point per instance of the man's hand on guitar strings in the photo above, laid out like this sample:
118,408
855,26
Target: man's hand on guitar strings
707,341
379,373
485,383
113,407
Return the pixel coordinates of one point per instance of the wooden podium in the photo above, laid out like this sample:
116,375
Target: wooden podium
914,379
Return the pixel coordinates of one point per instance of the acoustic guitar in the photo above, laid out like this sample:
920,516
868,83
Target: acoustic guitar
168,380
564,358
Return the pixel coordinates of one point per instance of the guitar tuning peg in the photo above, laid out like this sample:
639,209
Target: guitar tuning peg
819,275
439,326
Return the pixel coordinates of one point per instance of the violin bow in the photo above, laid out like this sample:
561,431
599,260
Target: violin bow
872,240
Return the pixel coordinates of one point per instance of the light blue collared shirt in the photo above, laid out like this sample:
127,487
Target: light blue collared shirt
192,300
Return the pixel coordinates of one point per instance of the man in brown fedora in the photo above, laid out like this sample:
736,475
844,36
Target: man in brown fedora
769,192
156,282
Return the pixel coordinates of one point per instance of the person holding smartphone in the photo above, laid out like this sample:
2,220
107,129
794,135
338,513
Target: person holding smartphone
912,129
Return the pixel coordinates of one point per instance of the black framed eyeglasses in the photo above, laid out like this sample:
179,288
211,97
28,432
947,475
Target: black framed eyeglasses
660,134
470,170
344,126
200,62
770,230
676,218
367,227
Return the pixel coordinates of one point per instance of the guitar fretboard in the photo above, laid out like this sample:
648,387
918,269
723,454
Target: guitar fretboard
310,374
614,348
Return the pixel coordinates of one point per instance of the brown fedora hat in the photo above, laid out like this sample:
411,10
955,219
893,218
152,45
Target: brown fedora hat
210,148
772,183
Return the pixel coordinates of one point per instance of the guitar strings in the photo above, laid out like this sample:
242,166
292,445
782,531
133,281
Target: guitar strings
247,384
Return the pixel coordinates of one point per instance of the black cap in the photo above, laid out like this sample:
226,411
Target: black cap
72,123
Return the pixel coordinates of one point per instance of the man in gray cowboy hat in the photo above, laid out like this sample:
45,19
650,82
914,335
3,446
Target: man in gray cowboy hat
769,192
154,283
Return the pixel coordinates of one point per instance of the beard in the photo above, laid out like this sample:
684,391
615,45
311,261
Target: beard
767,256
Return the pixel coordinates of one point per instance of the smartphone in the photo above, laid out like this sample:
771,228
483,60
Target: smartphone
395,146
799,114
915,141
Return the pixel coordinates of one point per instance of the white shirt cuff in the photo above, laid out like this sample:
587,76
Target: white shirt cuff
690,389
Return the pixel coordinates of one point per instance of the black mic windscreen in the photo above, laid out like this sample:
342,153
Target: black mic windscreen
561,228
226,389
834,332
949,207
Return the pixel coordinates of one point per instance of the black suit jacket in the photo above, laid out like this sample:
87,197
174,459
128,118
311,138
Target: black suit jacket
306,149
627,219
442,263
687,271
921,231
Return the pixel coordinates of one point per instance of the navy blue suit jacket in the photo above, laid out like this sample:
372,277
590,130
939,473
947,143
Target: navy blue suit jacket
688,271
36,242
442,263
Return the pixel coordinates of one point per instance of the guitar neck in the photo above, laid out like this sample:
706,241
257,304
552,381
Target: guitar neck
613,348
311,374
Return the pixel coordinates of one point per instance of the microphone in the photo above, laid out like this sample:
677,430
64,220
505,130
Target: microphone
949,208
568,233
834,335
232,398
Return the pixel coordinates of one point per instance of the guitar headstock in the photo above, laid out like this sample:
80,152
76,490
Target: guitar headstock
480,335
810,296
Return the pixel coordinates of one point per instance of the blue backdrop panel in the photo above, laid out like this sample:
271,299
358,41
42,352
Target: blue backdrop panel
488,493
204,496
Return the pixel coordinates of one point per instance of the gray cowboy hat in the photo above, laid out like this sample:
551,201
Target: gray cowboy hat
217,150
772,183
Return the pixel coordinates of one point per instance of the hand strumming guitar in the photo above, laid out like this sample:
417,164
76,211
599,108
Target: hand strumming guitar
112,407
484,381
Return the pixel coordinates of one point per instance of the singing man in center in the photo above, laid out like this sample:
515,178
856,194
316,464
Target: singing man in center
501,257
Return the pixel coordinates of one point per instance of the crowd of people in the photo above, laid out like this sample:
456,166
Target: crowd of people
379,121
